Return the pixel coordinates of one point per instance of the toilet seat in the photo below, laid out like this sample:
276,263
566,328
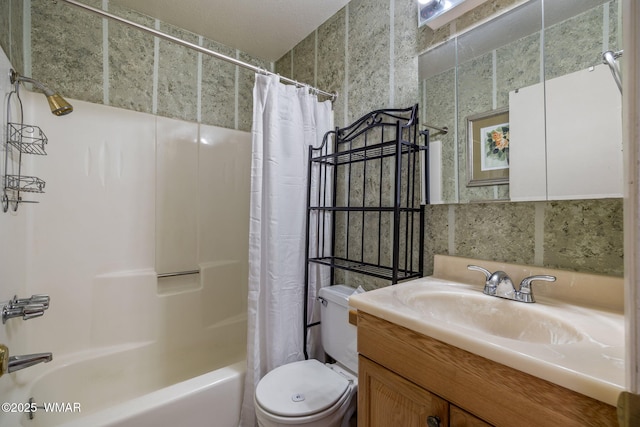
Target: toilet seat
301,389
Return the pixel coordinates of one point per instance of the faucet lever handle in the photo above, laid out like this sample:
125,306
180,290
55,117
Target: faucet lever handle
492,279
486,272
34,299
32,310
526,293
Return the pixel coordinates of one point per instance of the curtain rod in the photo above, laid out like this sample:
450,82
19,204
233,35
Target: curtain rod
193,46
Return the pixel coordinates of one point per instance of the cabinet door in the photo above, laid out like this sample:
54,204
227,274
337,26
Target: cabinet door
388,400
460,418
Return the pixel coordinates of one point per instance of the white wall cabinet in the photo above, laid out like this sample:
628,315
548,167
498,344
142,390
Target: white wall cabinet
569,147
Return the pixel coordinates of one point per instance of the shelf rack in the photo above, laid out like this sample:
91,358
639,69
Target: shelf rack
21,139
367,187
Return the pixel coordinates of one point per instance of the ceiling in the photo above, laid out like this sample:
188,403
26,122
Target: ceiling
266,29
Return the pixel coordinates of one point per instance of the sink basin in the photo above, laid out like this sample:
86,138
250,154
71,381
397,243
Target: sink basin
575,346
494,316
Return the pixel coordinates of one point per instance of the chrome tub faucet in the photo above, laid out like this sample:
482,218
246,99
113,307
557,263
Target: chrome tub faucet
27,308
499,284
15,363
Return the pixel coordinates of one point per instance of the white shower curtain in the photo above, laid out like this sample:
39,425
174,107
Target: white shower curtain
286,120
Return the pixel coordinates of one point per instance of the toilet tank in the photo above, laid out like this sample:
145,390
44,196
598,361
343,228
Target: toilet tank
338,335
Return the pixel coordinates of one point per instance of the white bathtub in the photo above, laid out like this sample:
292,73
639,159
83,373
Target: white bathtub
154,384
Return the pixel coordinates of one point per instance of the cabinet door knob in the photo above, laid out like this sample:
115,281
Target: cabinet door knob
433,421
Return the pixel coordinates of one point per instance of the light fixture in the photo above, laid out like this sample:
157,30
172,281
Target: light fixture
58,105
436,13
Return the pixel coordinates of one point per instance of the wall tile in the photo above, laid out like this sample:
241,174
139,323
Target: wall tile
11,33
246,82
369,56
71,60
406,60
475,94
177,77
615,32
436,234
304,60
130,62
574,44
331,61
585,235
518,65
439,107
284,65
218,87
496,231
5,27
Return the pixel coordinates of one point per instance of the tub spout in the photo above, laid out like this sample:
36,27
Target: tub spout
15,363
20,362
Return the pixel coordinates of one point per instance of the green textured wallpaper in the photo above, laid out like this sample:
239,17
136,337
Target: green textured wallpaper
367,53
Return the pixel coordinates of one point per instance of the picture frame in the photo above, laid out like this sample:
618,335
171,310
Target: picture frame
488,148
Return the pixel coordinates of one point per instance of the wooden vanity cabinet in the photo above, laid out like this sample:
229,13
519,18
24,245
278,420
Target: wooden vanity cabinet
406,377
460,418
390,400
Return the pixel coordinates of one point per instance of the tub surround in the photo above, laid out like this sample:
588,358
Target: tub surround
142,343
91,244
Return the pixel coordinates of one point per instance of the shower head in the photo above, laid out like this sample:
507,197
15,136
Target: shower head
58,105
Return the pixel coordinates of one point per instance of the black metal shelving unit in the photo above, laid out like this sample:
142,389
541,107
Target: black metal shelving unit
367,186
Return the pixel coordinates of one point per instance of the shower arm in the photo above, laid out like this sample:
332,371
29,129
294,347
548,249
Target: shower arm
17,78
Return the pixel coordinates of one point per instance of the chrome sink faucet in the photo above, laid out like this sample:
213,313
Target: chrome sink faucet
499,284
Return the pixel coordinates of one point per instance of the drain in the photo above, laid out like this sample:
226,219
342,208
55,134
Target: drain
33,407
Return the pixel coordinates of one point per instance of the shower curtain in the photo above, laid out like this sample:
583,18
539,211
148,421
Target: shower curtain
286,120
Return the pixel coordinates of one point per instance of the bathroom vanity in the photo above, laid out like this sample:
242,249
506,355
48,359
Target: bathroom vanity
406,377
416,368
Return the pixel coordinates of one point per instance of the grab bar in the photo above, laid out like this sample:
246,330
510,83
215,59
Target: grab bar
178,273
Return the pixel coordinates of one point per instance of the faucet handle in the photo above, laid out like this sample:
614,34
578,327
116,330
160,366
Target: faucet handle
34,299
480,269
27,308
32,310
526,293
492,279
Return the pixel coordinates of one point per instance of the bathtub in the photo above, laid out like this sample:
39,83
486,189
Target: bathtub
199,383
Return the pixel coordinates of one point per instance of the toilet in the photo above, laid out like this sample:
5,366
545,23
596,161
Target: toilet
311,393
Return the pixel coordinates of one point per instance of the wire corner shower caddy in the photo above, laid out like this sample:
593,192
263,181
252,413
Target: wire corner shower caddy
367,188
20,139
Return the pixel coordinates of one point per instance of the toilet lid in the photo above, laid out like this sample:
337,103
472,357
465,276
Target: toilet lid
300,388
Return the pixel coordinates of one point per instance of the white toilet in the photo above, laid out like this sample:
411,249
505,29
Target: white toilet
310,393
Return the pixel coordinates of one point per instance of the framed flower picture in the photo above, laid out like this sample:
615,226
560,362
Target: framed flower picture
488,150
